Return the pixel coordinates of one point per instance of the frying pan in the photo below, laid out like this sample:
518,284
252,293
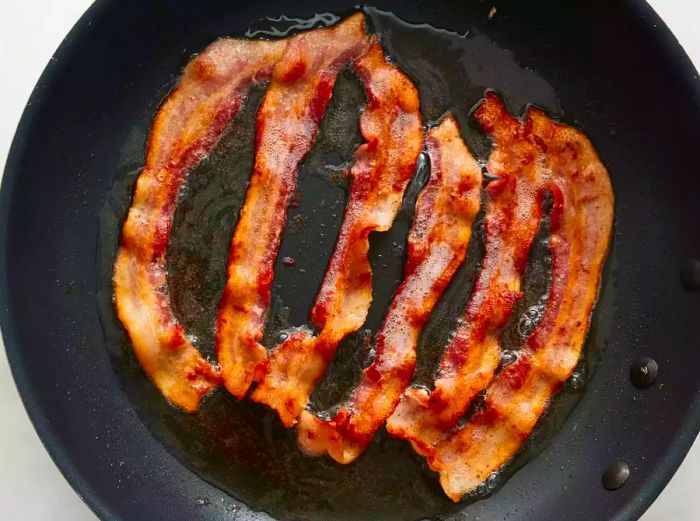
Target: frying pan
610,68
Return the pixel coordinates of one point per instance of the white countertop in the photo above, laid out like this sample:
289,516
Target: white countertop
31,487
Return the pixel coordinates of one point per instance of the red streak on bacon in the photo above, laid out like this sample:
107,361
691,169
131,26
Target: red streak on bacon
437,245
472,357
186,128
288,120
581,226
391,127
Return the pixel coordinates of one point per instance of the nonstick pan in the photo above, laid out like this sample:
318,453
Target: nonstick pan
610,68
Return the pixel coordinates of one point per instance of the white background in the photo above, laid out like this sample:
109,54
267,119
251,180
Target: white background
31,488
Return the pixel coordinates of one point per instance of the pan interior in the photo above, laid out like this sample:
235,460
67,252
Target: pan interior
240,447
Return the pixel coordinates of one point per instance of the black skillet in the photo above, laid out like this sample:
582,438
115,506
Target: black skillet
611,68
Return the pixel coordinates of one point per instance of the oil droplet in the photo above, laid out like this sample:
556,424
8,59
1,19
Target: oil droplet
492,481
577,381
525,327
508,357
530,319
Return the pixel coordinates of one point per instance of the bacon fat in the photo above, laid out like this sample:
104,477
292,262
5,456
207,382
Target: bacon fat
383,165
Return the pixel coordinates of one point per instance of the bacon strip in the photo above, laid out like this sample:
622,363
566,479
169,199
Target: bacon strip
511,221
581,225
391,126
288,119
186,128
437,245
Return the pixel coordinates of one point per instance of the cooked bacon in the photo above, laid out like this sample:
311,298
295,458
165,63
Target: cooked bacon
529,160
187,126
437,245
301,87
511,221
581,224
391,127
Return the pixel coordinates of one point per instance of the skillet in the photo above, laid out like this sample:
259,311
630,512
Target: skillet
611,69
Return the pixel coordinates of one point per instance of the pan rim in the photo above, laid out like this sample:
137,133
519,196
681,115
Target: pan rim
88,492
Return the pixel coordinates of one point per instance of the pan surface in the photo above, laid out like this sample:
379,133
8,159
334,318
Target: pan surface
611,69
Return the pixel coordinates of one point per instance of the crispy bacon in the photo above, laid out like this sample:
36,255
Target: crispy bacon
529,159
437,245
581,224
391,127
511,221
301,87
187,126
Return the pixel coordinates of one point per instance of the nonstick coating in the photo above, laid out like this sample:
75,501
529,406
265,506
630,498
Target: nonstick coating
619,75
